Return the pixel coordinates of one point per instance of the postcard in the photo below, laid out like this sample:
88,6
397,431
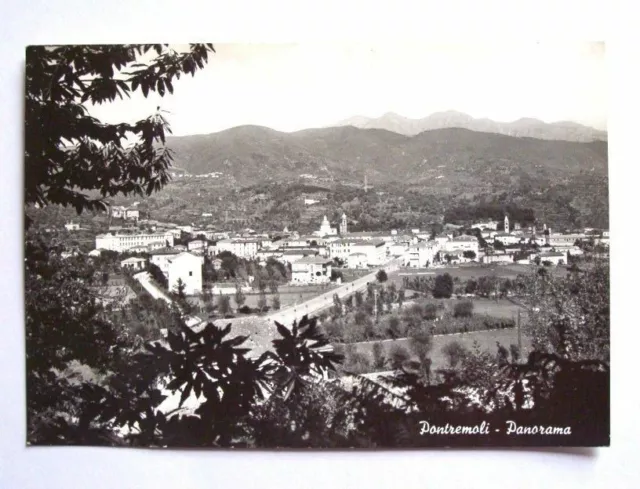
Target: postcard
338,246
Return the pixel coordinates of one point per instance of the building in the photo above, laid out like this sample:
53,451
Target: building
375,250
442,238
292,255
161,258
422,255
326,229
554,257
118,211
140,249
399,248
156,245
506,224
187,268
311,270
133,264
243,248
72,226
343,224
124,242
461,243
565,240
507,239
132,214
486,225
196,244
357,260
498,256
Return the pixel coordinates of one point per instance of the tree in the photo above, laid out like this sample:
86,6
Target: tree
262,301
455,352
240,298
471,286
273,286
158,276
381,276
379,359
398,356
179,290
275,302
463,309
443,287
401,298
224,305
207,299
470,254
421,344
68,152
336,309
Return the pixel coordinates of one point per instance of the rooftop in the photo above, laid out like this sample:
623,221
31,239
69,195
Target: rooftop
166,251
317,260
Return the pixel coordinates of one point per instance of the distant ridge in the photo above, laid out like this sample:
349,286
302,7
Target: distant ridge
448,159
525,127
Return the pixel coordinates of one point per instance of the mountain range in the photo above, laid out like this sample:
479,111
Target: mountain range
442,158
526,127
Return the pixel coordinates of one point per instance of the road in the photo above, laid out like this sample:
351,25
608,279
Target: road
145,280
316,304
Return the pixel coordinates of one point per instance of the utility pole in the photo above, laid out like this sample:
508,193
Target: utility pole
375,303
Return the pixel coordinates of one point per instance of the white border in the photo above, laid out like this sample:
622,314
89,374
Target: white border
82,21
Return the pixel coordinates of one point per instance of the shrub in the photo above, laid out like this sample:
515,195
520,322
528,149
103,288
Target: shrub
397,356
430,312
395,327
379,360
463,309
455,352
381,276
358,363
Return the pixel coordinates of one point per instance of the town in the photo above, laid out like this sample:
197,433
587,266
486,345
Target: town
315,269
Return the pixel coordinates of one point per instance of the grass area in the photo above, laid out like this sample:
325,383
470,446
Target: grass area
465,272
486,339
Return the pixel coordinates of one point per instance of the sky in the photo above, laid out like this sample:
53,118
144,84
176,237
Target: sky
289,87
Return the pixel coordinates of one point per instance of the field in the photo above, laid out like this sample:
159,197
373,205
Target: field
465,272
486,339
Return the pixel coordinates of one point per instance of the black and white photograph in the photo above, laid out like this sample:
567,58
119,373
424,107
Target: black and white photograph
317,245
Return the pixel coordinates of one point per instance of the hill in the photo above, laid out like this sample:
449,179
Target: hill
448,159
527,127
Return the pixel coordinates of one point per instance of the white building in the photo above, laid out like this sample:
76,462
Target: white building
422,255
311,270
555,257
498,256
123,242
72,226
132,214
161,258
292,255
326,229
486,225
565,241
134,264
461,243
243,248
196,244
357,260
507,239
375,250
188,268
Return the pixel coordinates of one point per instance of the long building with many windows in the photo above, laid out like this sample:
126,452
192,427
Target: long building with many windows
123,242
